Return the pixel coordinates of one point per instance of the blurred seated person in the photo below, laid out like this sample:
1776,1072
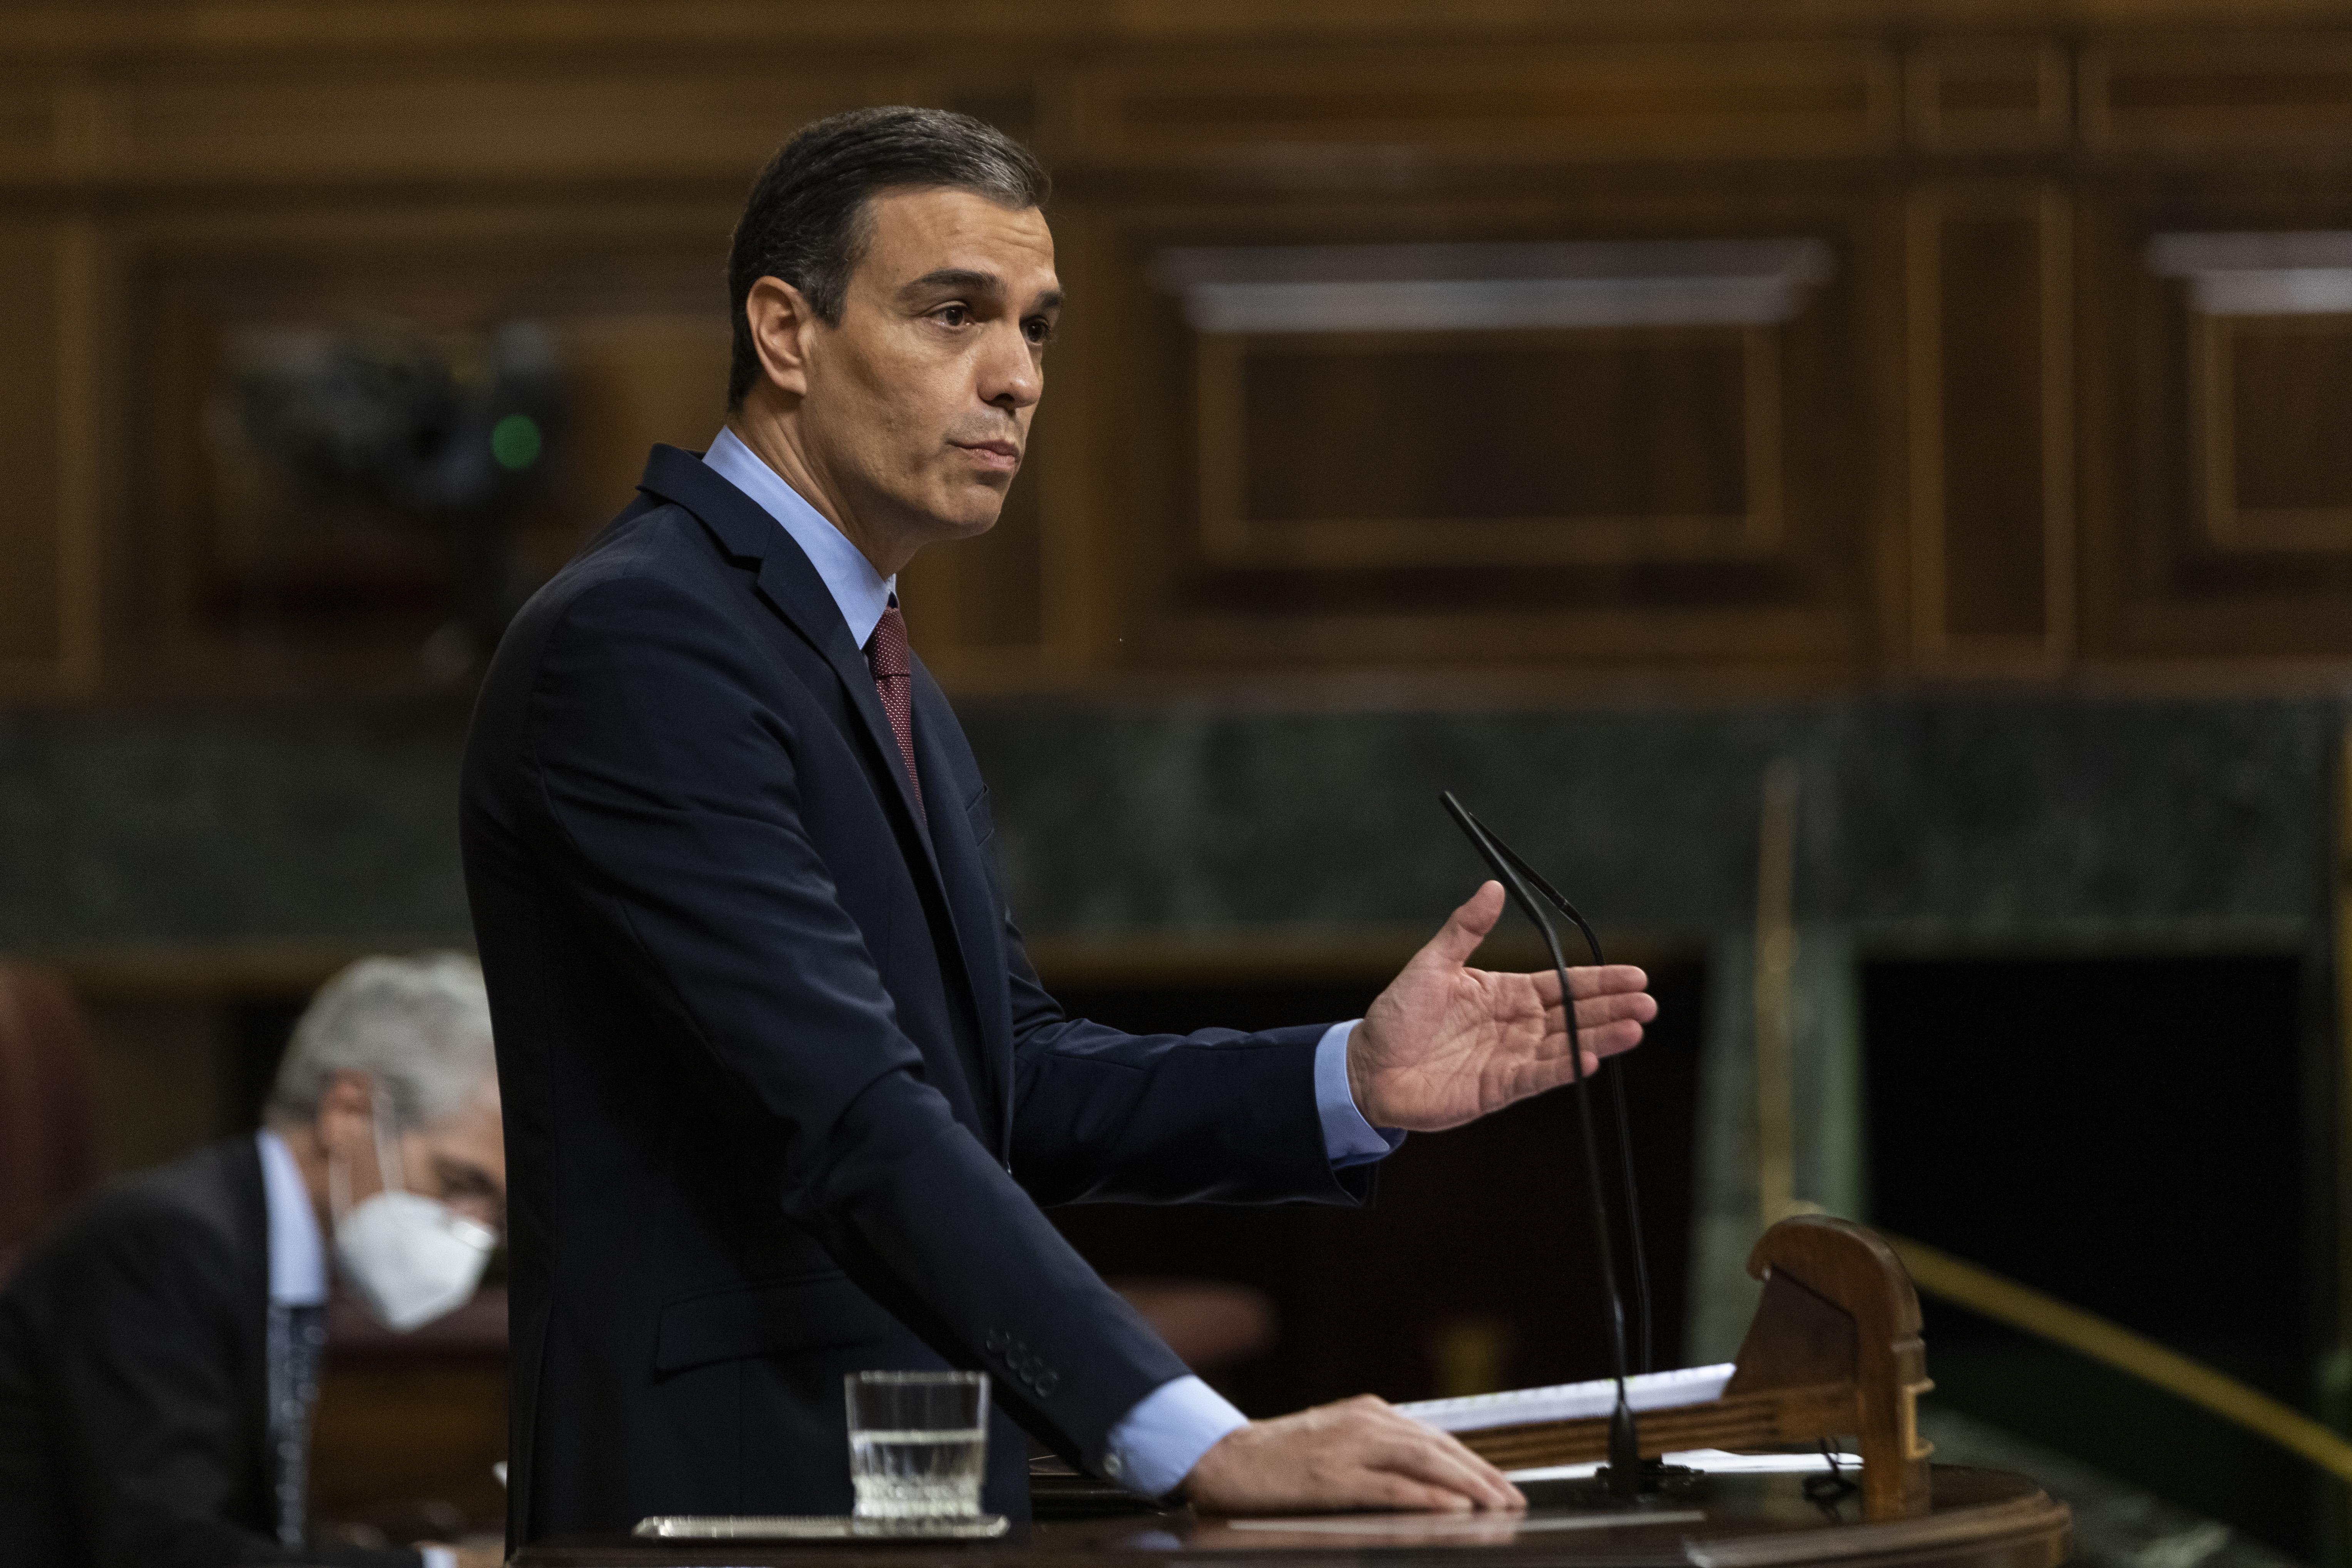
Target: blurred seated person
160,1346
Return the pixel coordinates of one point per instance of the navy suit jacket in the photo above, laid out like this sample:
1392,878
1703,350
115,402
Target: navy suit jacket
782,1093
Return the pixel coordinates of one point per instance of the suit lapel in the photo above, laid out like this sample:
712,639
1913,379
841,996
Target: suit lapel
793,589
978,921
944,843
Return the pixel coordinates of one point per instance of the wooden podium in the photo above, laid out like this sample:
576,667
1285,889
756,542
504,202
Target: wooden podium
1833,1352
1974,1518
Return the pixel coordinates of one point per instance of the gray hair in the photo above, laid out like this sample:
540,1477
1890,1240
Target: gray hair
420,1026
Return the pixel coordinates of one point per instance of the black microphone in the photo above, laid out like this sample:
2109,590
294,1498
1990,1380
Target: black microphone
1617,1087
1623,1476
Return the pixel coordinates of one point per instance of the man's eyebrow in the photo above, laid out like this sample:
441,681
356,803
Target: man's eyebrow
964,279
955,278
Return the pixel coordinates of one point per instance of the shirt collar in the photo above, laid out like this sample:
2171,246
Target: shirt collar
861,592
297,1254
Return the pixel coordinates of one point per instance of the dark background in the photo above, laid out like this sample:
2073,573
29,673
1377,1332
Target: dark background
2119,1133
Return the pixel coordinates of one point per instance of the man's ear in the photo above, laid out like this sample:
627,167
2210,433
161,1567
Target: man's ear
781,322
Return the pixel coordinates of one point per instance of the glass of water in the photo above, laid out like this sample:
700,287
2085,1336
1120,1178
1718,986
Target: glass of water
916,1442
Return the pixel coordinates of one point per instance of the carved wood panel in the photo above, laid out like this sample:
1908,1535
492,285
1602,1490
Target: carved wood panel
50,280
1541,452
2219,90
441,120
245,579
1505,448
2225,515
1990,95
1957,454
1991,427
2275,463
1758,97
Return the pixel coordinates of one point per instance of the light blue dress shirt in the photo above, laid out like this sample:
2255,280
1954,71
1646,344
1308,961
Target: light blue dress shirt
297,1254
1155,1445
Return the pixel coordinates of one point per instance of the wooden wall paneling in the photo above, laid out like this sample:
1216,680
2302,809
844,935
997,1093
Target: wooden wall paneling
2269,449
1409,406
52,284
1991,410
1748,99
1926,403
160,561
439,121
2228,536
2211,92
87,423
2269,321
1882,290
629,294
1702,405
1767,567
638,312
639,375
1990,95
31,538
28,127
2105,320
1087,520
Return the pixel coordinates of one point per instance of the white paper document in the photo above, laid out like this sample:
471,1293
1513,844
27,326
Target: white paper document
1714,1461
1572,1401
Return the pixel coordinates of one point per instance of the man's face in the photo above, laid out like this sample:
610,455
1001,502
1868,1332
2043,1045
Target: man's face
460,1159
919,403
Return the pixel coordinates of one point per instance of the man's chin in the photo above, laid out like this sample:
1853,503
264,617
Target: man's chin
971,512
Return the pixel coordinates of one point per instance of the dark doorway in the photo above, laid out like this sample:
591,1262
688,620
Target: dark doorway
1477,1232
2130,1135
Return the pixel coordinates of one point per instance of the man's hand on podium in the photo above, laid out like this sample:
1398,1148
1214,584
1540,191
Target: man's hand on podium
1358,1453
1446,1044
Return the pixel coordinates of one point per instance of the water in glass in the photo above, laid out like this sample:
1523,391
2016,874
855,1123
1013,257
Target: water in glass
918,1443
917,1475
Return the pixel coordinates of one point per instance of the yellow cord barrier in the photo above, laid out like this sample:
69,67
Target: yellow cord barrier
2021,1307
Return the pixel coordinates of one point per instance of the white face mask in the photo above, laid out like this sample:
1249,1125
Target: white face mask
408,1259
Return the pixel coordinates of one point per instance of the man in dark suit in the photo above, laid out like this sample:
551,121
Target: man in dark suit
784,1095
160,1345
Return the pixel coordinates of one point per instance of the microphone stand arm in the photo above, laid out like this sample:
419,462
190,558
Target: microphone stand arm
1622,1475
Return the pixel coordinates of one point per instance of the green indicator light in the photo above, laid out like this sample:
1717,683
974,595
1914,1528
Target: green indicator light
515,441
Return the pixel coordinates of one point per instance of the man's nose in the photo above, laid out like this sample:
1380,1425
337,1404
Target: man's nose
1010,377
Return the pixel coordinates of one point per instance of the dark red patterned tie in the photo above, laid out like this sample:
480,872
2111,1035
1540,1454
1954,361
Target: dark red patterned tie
894,680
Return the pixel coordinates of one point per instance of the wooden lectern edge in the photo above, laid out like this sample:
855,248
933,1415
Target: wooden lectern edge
2036,1528
1834,1350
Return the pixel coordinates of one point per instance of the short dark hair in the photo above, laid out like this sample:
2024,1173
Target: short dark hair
806,221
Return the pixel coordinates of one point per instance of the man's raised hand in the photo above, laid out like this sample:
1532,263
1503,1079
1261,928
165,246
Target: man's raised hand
1358,1453
1446,1044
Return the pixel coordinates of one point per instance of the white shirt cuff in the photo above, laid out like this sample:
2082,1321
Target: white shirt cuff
439,1556
1348,1138
1155,1446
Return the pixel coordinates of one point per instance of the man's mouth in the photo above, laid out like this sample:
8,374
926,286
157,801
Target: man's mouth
1001,455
